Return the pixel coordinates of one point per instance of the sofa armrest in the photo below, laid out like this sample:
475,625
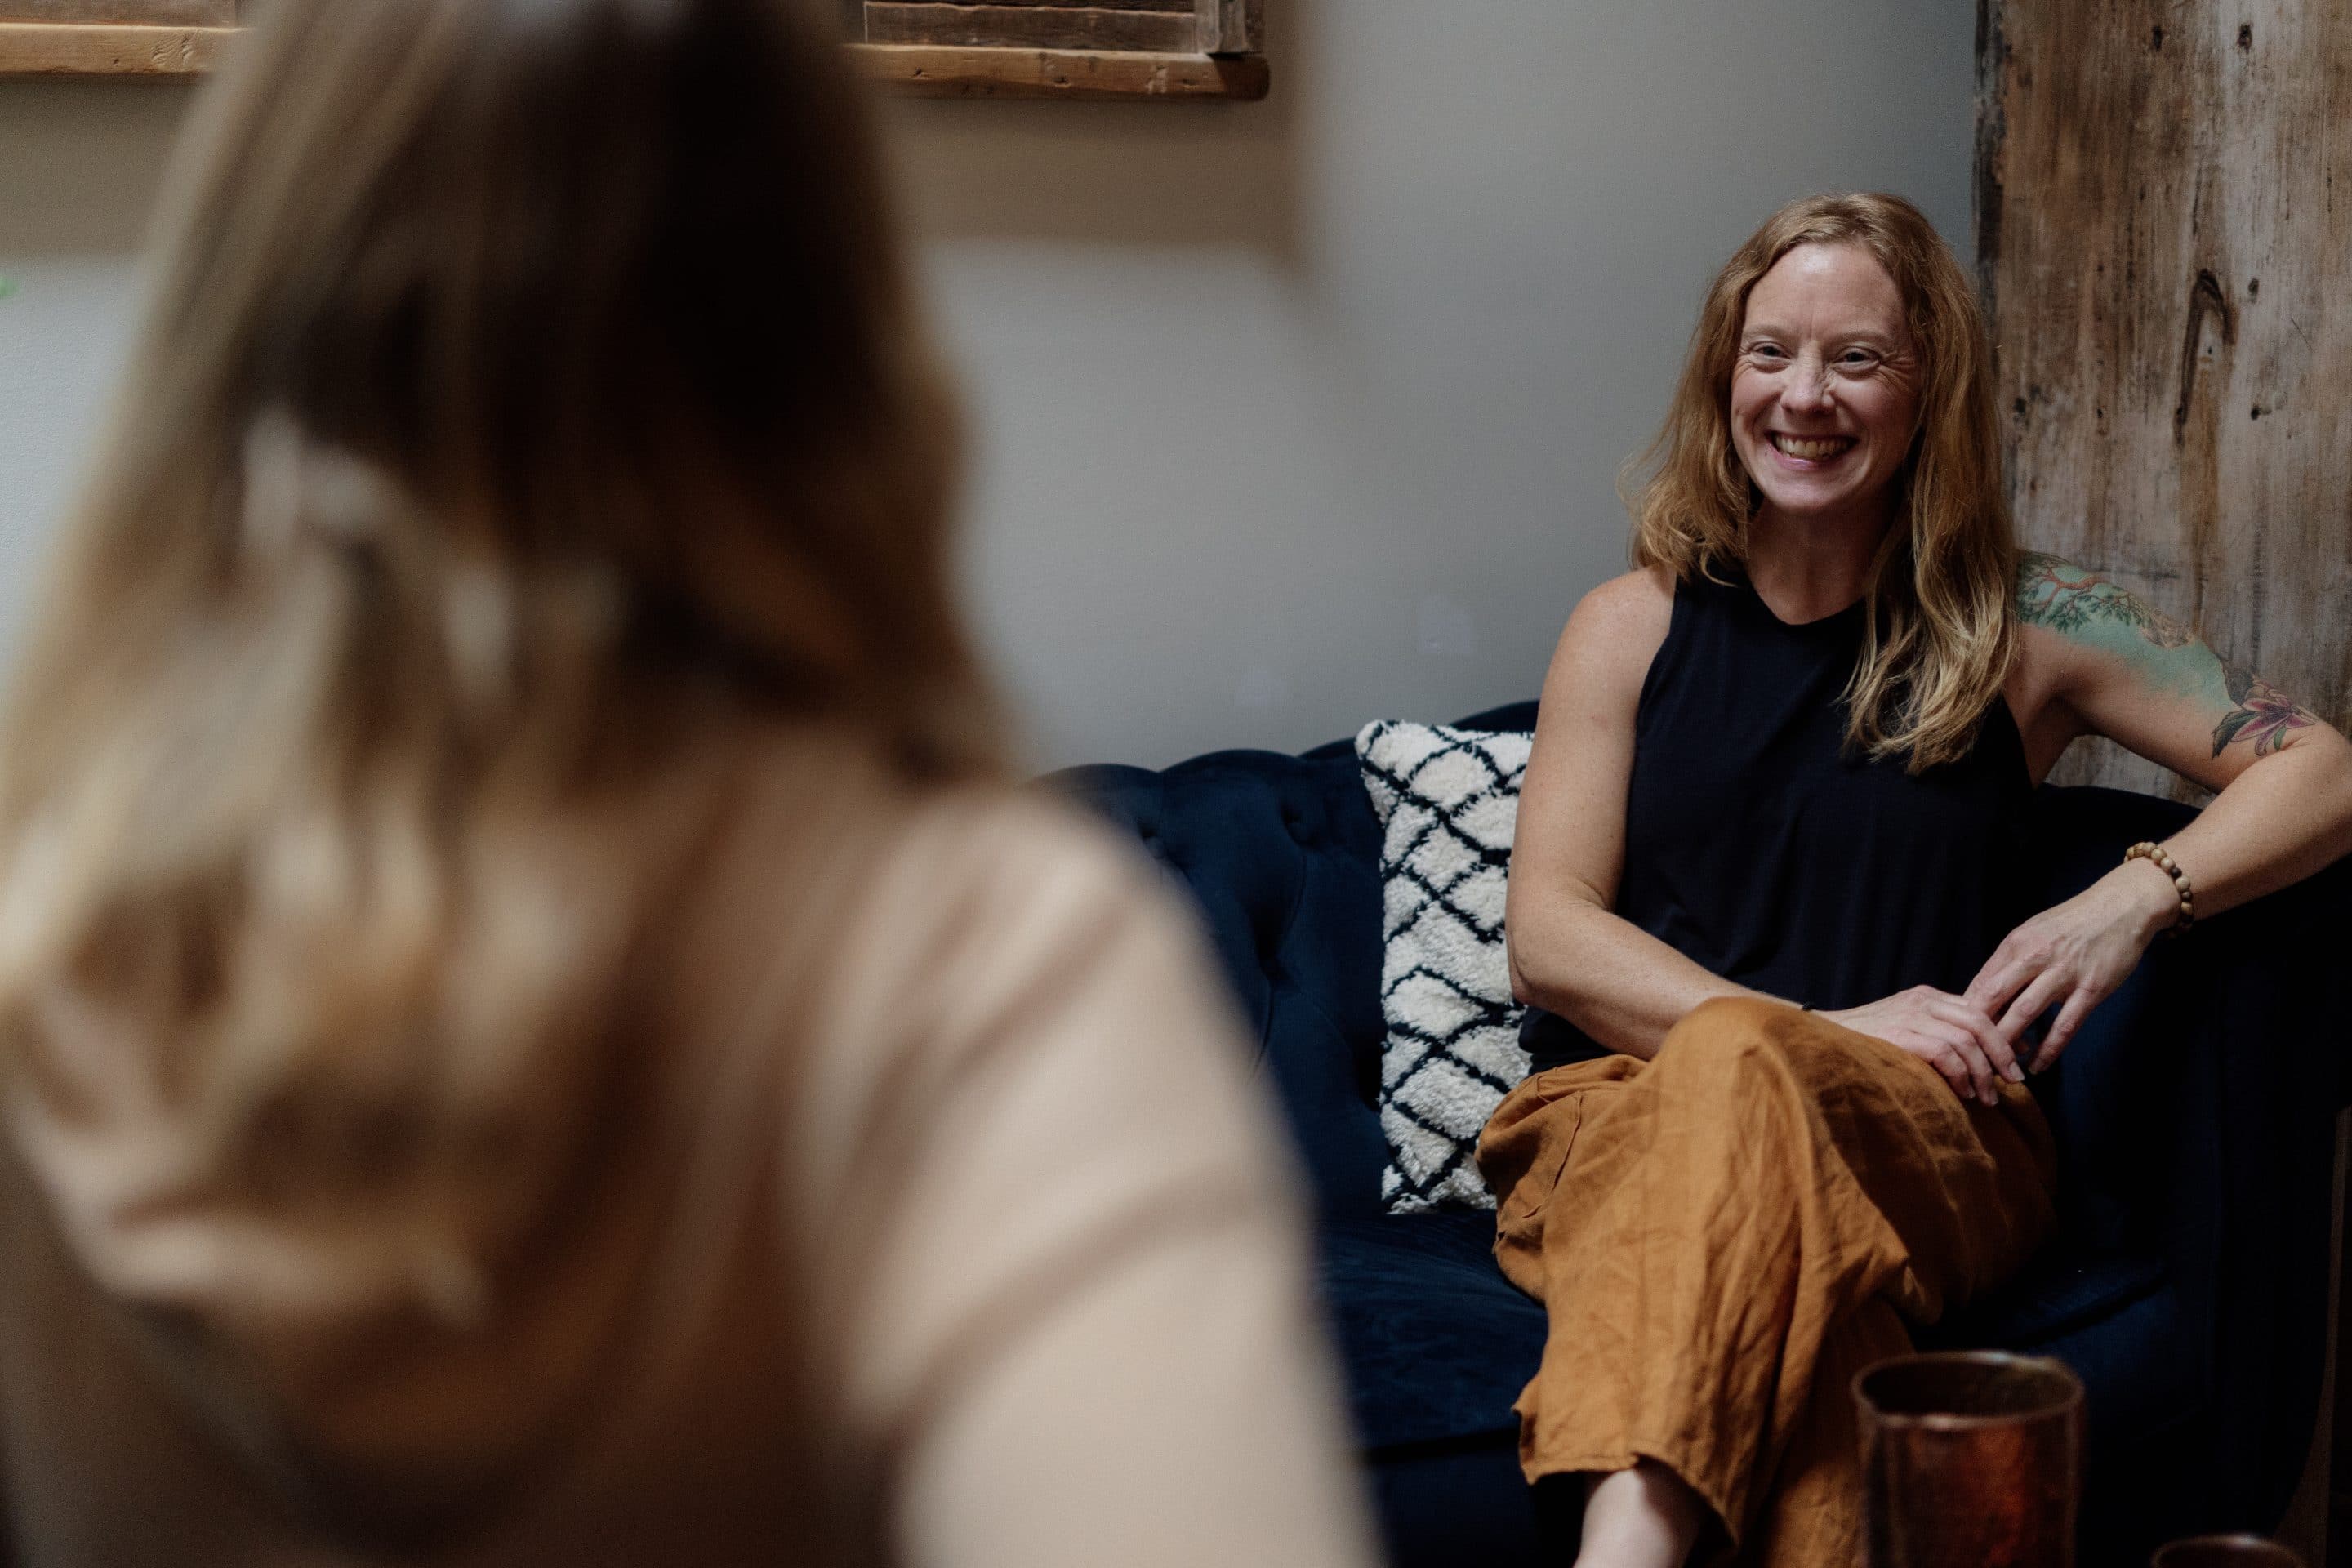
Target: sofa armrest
2196,1114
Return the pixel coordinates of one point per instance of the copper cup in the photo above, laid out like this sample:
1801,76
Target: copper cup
2226,1552
1969,1459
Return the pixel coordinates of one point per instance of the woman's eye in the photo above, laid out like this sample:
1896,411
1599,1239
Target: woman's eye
1765,352
1857,359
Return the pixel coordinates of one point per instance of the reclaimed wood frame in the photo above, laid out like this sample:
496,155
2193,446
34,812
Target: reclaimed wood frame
107,49
1224,62
1227,65
932,71
112,37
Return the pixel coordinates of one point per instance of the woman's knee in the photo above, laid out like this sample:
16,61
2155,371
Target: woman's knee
1734,1032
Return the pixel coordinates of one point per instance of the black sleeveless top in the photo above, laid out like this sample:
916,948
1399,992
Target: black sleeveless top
1756,847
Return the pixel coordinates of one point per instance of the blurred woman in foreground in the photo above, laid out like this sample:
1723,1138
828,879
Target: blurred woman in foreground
534,1030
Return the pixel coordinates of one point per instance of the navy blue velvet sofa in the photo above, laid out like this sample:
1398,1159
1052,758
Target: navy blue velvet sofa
2195,1112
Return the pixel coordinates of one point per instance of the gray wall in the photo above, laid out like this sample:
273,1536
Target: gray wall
1286,416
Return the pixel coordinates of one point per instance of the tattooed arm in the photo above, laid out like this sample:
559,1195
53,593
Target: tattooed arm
2102,661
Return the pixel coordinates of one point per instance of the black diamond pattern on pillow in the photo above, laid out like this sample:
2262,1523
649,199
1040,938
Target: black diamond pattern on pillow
1448,800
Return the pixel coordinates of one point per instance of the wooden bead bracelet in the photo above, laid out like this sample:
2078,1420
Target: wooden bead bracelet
2144,850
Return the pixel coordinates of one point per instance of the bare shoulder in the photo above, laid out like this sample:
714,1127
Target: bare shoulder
1619,626
1009,847
2086,608
2132,673
823,808
1629,604
1594,684
2081,633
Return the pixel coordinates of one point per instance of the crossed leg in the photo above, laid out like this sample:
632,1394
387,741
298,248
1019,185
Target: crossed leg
1721,1237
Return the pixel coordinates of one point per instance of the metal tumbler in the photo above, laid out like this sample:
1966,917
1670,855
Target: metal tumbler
1969,1459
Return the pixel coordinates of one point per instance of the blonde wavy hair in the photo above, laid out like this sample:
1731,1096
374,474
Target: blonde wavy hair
531,427
1941,633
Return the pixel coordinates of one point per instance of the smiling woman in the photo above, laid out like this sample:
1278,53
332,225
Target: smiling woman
1824,324
1770,902
1824,394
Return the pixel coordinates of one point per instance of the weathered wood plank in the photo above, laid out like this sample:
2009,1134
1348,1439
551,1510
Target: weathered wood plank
1178,6
56,48
40,48
1231,26
130,13
2166,254
1031,26
932,72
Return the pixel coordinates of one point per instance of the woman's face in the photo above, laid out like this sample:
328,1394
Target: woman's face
1824,393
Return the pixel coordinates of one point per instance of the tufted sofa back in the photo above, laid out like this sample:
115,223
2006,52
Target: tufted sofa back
1282,856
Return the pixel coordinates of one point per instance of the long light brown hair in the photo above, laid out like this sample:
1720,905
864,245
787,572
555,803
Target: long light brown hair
532,408
1941,626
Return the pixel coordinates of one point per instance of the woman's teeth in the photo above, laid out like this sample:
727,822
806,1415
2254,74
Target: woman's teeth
1812,451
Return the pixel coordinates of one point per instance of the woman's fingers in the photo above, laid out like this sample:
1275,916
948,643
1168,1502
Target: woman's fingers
1999,980
1947,1059
2070,1018
1975,1067
2031,1003
1997,1049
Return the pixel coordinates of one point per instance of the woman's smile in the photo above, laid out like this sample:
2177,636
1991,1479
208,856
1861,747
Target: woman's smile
1825,398
1811,452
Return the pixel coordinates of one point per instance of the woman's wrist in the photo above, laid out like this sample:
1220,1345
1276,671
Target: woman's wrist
2155,900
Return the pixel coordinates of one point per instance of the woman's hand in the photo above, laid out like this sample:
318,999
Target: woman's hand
2076,953
1951,1034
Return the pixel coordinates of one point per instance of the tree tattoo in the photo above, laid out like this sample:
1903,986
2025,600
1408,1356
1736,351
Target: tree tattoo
2054,593
2264,715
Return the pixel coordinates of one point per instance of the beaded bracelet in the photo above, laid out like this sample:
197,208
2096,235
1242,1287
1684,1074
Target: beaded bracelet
2144,850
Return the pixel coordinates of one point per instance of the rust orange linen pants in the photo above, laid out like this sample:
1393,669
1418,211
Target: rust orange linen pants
1724,1234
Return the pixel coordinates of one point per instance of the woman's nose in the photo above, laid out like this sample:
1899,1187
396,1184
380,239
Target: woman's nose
1808,386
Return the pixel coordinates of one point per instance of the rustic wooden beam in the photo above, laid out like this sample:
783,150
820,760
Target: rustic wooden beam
2166,262
70,48
938,72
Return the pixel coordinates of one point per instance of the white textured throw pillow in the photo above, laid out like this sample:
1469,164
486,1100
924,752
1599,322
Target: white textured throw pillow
1447,800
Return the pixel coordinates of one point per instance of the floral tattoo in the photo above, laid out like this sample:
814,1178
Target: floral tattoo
2054,593
2263,715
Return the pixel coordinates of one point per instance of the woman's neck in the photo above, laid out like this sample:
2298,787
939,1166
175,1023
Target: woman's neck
1804,571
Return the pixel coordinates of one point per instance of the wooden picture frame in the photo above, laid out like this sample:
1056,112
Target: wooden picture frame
1062,49
114,38
1076,50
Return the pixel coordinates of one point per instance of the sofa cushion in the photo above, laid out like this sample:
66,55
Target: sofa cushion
1435,1343
1448,802
2059,1293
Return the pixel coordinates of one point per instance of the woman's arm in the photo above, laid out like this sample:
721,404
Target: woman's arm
2112,665
1570,953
